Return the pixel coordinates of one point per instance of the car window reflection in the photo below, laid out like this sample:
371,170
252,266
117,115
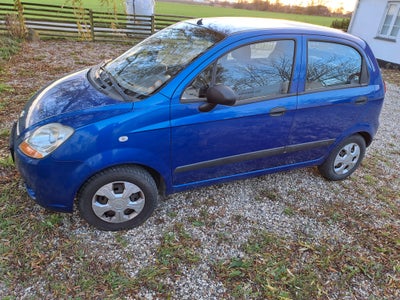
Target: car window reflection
331,64
258,70
150,64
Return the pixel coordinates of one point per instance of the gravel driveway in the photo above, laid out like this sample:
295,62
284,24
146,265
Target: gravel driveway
197,240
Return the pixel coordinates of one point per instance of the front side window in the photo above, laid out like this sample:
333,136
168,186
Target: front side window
259,70
330,65
391,22
150,64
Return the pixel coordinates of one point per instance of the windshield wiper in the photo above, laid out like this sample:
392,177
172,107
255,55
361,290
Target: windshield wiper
114,83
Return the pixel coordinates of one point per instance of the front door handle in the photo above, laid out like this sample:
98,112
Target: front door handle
277,111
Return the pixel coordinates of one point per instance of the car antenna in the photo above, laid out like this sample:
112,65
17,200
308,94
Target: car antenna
200,22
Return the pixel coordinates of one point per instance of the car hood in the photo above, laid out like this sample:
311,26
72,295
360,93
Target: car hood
61,98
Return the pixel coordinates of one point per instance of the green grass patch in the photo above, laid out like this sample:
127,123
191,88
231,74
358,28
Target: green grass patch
275,268
4,133
6,162
177,249
8,47
267,273
5,88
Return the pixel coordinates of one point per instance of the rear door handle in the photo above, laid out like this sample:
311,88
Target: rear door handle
277,111
361,100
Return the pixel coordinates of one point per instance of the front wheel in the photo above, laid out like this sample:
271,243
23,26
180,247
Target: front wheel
344,158
118,198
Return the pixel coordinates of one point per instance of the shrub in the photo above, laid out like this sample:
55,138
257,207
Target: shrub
341,24
15,26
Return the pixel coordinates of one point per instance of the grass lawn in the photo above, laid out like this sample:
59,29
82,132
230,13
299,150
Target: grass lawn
192,10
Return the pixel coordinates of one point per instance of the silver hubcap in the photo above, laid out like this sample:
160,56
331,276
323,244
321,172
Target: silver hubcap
347,158
118,202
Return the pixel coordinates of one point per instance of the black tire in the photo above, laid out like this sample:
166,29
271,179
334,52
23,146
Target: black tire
344,158
118,198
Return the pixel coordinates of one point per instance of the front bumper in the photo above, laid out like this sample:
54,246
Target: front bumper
50,183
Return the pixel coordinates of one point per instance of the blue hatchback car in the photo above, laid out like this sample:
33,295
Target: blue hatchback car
200,102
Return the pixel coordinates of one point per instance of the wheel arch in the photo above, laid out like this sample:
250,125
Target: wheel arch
365,131
367,137
155,165
157,177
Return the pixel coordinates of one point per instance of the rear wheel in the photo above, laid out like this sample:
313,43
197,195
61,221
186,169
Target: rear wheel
344,158
118,198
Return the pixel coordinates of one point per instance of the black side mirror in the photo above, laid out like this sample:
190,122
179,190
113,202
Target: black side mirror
218,94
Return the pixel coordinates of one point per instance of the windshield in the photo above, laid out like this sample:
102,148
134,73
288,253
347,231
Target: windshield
147,66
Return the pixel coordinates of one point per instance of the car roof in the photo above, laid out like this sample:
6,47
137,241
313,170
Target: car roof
234,25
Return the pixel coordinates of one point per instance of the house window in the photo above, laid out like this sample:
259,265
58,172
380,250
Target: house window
391,23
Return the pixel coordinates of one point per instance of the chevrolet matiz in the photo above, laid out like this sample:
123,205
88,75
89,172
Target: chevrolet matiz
201,102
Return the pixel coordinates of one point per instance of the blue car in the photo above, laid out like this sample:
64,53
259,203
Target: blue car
200,102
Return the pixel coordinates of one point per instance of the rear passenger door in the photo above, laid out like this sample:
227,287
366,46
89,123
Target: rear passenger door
333,97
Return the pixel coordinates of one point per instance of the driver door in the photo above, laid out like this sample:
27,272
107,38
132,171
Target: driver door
248,137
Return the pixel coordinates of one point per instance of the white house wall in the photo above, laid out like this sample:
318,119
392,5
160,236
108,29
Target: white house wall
366,23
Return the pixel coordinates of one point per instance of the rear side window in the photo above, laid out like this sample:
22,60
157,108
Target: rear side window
331,64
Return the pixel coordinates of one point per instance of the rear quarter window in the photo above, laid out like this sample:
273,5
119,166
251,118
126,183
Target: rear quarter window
332,65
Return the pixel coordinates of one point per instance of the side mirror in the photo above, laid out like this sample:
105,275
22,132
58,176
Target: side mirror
218,94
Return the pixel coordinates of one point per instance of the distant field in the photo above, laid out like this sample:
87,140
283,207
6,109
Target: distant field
209,11
191,10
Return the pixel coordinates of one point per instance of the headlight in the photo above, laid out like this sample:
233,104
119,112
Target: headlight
45,140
